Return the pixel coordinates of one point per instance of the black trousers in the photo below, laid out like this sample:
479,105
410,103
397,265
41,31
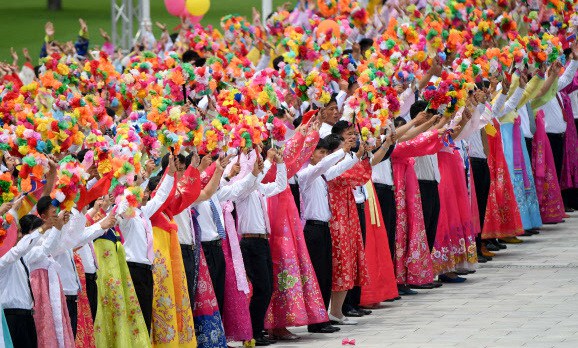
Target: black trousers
353,297
22,328
191,269
481,173
259,266
142,279
557,145
430,202
296,196
92,293
318,240
528,147
386,197
72,305
216,263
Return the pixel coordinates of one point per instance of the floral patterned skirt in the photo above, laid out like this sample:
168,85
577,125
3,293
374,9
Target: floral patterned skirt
85,326
119,321
172,324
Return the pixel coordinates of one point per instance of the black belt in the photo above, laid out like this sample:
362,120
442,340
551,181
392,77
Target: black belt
383,186
90,276
317,223
559,135
361,205
217,242
18,311
477,159
188,246
428,181
140,265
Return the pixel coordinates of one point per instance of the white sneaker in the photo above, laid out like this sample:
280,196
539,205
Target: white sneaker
343,321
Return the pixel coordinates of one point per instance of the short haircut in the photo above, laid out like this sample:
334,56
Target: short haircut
399,121
322,144
365,44
278,60
417,107
340,127
43,204
333,141
29,223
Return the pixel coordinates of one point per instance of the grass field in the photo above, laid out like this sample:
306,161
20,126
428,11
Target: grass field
22,21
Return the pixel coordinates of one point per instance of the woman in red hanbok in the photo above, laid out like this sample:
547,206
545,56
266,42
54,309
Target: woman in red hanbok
85,324
502,217
546,179
413,263
349,268
382,285
296,299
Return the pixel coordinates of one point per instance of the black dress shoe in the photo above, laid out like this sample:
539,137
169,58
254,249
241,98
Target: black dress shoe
364,311
353,313
423,286
262,341
500,245
527,234
569,210
325,329
492,247
483,259
437,284
405,290
533,231
464,272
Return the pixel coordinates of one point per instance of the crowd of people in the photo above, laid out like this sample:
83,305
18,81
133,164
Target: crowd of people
224,185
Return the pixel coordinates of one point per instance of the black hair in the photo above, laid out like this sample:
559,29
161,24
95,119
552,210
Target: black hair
417,107
365,44
110,112
297,121
322,144
193,57
483,84
333,141
153,183
332,100
43,204
37,71
278,60
165,161
347,52
174,37
340,127
351,81
399,121
81,154
29,223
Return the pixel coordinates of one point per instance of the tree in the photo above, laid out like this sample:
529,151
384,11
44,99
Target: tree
55,5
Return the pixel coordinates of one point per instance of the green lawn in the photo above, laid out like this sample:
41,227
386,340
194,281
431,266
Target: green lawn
22,21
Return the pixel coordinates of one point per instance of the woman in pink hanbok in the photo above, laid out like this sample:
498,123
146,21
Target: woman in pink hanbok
547,188
296,299
413,263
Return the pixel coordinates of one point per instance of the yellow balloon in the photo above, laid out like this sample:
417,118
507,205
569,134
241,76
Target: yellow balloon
198,7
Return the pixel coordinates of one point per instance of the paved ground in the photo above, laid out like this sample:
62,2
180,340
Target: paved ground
526,297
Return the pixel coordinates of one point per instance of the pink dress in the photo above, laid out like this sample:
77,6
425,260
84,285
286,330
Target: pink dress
455,245
296,299
349,267
85,325
569,177
413,264
547,188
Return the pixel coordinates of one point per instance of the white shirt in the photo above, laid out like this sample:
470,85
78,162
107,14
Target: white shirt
525,122
14,288
185,230
230,192
325,130
553,114
252,207
360,194
313,189
426,168
88,258
381,173
574,99
133,229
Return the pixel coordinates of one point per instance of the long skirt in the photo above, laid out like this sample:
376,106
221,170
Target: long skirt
382,285
296,299
547,187
455,245
84,326
119,321
516,155
236,316
53,327
502,218
208,323
172,324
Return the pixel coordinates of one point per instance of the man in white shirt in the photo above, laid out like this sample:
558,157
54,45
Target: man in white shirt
16,295
254,227
138,242
316,213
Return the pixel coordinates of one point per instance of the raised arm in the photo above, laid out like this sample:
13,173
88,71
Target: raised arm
280,184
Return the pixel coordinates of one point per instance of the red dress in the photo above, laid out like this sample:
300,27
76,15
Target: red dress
413,264
349,268
382,285
85,325
502,213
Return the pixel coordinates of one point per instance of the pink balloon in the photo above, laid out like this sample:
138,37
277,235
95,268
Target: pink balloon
195,19
175,7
